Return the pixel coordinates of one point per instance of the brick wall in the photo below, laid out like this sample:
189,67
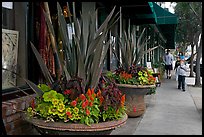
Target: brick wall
12,115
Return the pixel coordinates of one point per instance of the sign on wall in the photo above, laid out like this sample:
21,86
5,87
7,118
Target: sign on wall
9,57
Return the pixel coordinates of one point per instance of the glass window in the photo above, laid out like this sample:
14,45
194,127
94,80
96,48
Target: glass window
14,44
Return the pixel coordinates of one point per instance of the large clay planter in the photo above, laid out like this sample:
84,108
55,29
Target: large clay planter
59,128
134,102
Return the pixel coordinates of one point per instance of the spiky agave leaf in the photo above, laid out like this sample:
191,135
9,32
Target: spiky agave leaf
43,67
88,55
83,58
58,63
132,51
68,48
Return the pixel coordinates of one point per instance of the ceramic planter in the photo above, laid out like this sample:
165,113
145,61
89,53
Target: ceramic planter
134,102
60,128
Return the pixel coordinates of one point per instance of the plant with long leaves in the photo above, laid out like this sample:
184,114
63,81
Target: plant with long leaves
83,58
132,49
75,95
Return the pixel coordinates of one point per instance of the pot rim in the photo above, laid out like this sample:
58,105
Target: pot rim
101,126
136,86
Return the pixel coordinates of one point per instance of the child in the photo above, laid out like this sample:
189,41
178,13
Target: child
181,70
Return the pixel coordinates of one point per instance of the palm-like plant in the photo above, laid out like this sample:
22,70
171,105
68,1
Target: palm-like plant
75,94
83,59
78,74
132,50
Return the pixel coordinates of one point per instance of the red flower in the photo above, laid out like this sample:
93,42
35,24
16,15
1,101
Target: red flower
90,104
85,104
82,97
67,92
87,112
134,109
69,114
74,103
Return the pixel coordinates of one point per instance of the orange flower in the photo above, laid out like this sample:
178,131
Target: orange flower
125,75
101,100
98,93
89,92
122,100
91,98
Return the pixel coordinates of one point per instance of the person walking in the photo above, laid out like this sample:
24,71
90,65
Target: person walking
168,59
177,63
181,70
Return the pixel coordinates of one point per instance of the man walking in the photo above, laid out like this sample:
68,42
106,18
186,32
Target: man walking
168,59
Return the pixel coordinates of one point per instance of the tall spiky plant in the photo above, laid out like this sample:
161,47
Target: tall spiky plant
82,59
132,49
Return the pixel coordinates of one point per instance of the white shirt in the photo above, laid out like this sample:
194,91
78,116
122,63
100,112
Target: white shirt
182,69
168,59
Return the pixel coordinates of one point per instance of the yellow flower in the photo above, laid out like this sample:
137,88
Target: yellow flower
55,102
76,110
61,107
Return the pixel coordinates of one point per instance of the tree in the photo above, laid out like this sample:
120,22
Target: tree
196,8
189,29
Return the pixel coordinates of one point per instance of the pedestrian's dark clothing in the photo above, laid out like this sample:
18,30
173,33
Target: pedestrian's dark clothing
177,63
181,82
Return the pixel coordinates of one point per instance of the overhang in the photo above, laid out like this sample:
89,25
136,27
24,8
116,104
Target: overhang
166,22
148,13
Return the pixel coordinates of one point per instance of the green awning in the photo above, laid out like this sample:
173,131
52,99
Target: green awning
166,22
148,13
163,16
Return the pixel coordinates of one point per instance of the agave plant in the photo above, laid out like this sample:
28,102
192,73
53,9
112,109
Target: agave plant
132,49
75,94
83,58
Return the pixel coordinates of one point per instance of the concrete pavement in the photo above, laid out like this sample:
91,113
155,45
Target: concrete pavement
169,112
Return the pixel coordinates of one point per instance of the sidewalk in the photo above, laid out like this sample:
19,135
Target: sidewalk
169,112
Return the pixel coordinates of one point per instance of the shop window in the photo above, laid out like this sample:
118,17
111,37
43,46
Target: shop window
14,45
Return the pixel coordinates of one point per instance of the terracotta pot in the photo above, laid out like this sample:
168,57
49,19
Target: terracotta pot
59,128
134,102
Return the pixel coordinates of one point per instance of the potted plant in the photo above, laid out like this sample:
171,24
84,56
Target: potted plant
132,79
78,100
